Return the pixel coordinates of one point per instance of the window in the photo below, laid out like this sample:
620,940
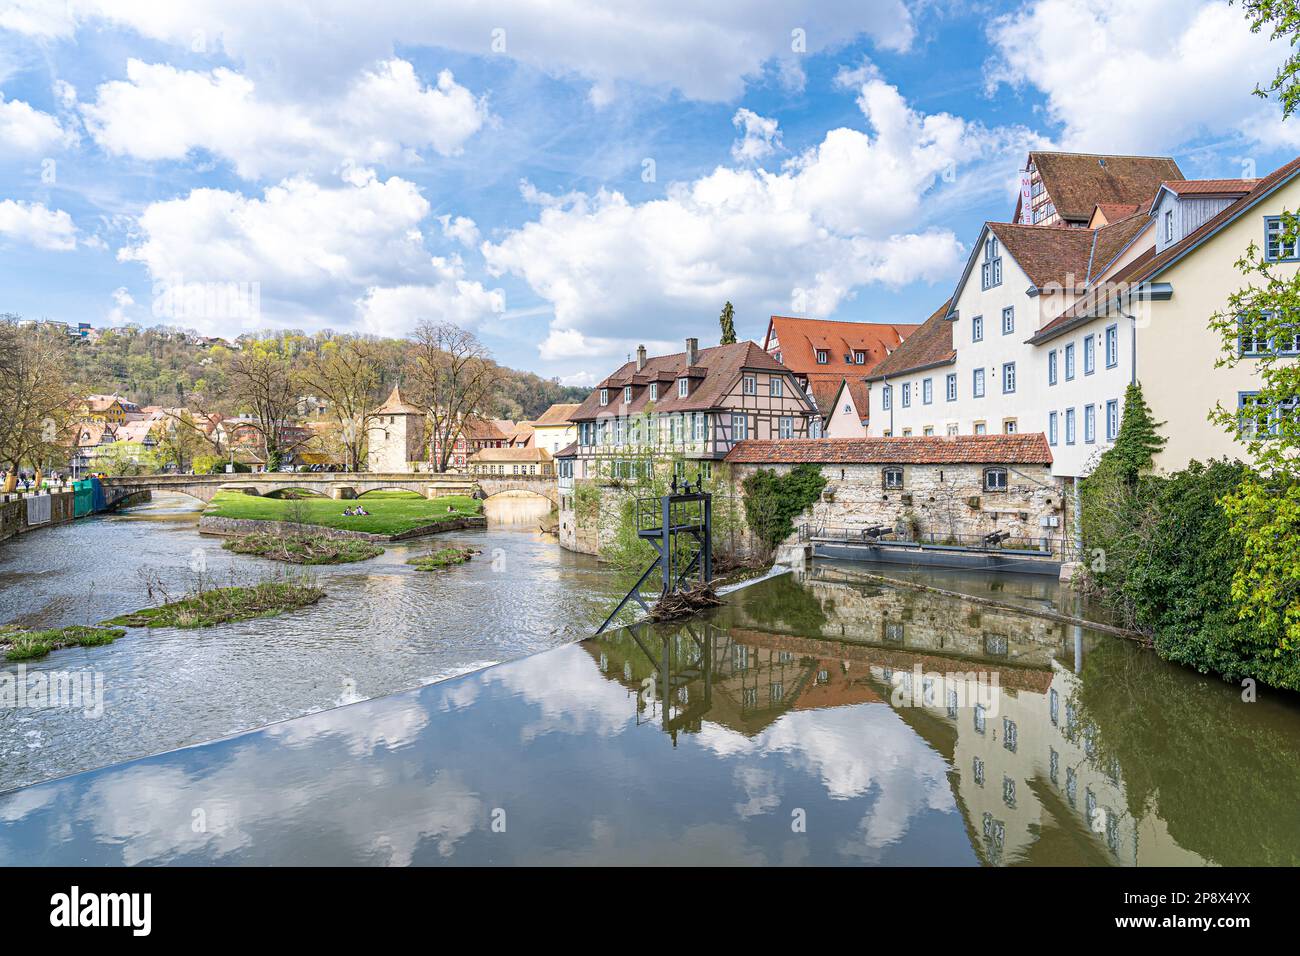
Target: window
1257,417
892,478
991,271
977,328
1008,320
683,387
815,427
981,428
907,433
951,386
1009,736
1009,378
1112,346
928,431
1252,340
995,479
1277,246
774,388
1089,355
739,426
1010,426
1089,424
907,394
1069,426
1051,428
886,397
1112,419
977,383
787,427
952,429
1051,367
859,358
927,391
1169,225
627,394
654,391
822,357
604,396
749,385
1069,362
979,718
701,426
978,768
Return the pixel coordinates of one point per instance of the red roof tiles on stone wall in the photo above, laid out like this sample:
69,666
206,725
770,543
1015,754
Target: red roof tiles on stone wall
1026,448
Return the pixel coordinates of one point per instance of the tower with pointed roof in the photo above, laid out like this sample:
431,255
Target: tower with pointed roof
395,435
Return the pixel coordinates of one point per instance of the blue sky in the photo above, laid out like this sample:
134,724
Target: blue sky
570,179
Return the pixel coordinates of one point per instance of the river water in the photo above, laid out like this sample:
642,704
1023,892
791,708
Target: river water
817,717
382,627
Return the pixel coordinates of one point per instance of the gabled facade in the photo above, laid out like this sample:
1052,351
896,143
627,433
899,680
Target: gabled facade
1064,189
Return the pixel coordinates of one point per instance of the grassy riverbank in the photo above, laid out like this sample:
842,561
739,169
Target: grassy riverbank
19,645
225,605
442,558
390,512
305,548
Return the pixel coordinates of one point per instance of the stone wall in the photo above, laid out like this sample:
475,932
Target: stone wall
13,513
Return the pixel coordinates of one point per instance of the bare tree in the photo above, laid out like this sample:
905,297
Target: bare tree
345,372
453,377
260,382
35,398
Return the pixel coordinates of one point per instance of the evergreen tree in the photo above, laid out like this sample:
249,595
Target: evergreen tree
728,321
1138,440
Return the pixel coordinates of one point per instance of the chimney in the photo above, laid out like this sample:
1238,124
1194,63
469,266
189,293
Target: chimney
692,351
640,357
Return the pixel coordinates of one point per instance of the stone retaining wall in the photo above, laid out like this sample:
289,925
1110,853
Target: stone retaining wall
231,527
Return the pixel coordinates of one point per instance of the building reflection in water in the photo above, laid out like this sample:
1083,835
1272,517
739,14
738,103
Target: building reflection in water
1026,769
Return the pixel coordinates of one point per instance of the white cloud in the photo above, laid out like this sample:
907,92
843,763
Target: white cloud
844,214
29,132
385,112
760,137
706,51
460,228
34,224
1142,75
448,295
122,302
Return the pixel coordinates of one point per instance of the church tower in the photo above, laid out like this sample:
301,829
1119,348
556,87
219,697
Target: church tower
395,436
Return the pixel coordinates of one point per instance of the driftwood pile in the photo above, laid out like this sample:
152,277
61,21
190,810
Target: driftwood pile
685,603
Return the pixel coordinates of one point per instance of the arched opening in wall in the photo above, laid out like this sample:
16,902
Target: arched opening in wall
293,494
398,493
519,509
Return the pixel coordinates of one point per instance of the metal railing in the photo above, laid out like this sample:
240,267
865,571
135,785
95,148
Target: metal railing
994,542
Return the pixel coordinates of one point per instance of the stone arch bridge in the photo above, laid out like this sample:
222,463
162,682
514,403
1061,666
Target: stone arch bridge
340,485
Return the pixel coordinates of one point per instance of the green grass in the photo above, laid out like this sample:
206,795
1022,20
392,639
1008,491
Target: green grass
29,645
224,605
388,515
442,558
305,548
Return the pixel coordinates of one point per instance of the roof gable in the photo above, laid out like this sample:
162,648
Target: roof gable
929,345
1077,182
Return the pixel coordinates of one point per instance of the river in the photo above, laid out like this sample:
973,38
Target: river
382,627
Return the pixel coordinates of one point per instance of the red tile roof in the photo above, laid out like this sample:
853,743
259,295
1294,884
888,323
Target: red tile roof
928,346
800,339
395,405
1078,182
1026,448
1049,255
1148,265
715,372
1189,187
557,414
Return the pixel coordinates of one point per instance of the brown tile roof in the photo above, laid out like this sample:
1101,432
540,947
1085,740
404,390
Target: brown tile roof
800,339
1214,187
826,389
1025,448
929,345
1048,254
557,414
1077,182
719,369
1114,212
531,455
1148,265
480,429
568,451
396,406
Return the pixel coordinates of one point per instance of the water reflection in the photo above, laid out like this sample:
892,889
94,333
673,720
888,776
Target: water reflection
804,699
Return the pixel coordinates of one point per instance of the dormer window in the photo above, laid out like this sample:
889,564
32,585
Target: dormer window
823,357
683,387
604,396
1169,225
654,391
859,358
777,356
627,394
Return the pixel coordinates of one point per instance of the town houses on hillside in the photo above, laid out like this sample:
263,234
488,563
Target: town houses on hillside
831,361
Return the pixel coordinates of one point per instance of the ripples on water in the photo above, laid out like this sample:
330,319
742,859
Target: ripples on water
382,627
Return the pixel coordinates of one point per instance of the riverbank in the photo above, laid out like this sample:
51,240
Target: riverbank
226,605
304,548
391,517
20,645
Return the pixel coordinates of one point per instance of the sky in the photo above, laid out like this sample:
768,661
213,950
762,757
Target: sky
569,179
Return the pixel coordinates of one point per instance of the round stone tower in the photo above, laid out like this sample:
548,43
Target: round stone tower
395,437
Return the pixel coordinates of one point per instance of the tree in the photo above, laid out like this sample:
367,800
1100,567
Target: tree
1281,18
728,322
36,399
181,440
127,459
1138,441
260,381
345,372
1259,327
452,376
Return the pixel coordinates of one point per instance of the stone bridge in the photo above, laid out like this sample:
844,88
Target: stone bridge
337,484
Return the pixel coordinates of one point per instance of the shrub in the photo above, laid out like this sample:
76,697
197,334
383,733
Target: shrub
773,501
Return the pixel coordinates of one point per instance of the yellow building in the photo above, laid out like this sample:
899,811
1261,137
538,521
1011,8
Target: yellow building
553,430
511,461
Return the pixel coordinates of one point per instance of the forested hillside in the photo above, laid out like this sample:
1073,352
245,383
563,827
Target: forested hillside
161,366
